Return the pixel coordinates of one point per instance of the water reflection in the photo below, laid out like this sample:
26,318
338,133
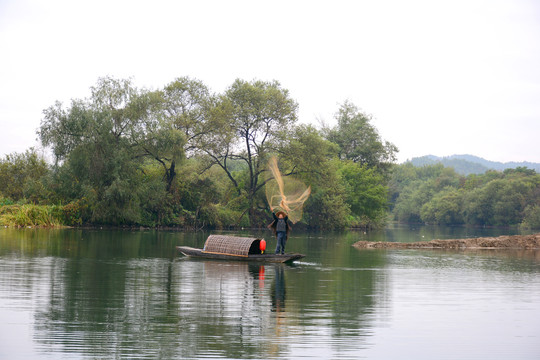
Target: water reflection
278,289
79,294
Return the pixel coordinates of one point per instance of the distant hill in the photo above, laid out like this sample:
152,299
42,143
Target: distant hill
470,164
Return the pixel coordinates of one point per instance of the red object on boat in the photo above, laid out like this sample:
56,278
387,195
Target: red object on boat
262,245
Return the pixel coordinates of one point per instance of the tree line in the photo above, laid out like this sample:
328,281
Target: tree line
184,156
435,194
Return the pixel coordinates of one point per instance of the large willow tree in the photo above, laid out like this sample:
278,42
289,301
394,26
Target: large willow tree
257,114
92,140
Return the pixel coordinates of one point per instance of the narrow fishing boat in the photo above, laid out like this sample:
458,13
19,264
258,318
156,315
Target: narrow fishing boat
225,247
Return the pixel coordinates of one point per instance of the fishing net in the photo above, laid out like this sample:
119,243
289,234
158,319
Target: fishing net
285,193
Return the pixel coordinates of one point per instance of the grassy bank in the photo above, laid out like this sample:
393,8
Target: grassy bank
33,215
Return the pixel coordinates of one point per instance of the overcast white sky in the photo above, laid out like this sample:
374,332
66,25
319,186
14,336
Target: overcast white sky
439,77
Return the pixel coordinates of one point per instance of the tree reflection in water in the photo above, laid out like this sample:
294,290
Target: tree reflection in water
110,295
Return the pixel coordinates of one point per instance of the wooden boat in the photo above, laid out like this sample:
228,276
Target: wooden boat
224,247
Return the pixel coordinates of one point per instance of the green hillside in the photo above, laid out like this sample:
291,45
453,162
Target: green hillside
470,164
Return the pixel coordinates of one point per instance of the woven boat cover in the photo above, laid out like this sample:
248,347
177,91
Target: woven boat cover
229,245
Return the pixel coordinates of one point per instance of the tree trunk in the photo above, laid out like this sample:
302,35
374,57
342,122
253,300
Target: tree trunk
170,175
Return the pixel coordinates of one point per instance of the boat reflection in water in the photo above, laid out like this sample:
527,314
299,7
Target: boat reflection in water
278,290
249,300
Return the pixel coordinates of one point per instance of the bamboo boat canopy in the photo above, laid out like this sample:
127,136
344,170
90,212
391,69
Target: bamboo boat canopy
232,245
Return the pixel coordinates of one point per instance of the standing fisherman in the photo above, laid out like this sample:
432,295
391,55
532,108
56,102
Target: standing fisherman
281,229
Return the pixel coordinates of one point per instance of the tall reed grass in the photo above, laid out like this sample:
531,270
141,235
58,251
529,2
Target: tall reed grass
31,215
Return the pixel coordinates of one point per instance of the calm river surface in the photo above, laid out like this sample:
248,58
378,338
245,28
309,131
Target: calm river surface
101,294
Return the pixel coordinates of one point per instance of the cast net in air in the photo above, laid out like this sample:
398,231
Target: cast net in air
285,193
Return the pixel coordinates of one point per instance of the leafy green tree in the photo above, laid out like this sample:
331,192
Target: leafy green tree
257,112
93,138
188,105
306,155
447,178
157,205
477,207
444,208
367,194
531,218
410,201
176,119
511,200
359,140
424,194
499,202
22,176
302,150
155,137
520,170
327,207
208,198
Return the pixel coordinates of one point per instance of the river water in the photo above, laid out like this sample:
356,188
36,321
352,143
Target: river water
102,294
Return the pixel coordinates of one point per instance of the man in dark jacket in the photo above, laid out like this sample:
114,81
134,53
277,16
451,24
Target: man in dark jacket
281,229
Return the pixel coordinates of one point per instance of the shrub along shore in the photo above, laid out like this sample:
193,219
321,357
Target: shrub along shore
37,215
56,216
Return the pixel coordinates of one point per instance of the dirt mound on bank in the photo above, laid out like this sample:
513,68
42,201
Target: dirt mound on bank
528,242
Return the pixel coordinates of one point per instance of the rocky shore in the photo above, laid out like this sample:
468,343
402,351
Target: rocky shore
528,242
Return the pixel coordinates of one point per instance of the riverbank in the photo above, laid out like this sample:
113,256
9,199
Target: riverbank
529,242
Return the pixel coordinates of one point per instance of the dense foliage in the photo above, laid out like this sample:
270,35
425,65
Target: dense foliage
438,195
183,156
